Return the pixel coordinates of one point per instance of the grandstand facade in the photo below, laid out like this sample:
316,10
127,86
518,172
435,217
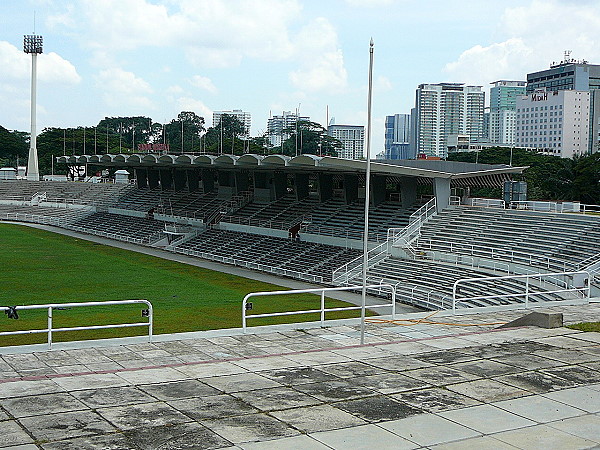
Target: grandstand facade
303,218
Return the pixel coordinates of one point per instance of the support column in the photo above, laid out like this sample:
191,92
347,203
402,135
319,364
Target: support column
241,181
179,179
408,191
279,184
351,188
193,179
325,186
153,178
141,177
301,183
441,190
226,184
166,179
378,185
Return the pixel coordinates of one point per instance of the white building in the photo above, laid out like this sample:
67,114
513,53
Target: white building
447,109
277,125
554,123
503,101
242,116
352,138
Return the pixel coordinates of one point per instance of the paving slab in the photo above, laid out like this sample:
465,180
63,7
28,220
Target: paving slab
96,380
447,356
268,363
377,409
569,356
539,408
529,362
276,398
485,368
250,428
576,374
292,443
428,429
487,391
67,425
335,390
318,418
112,396
586,427
12,434
111,441
581,397
535,382
213,407
179,389
476,443
13,389
36,405
317,358
487,419
543,436
435,399
351,369
300,375
178,436
399,363
147,376
441,375
240,382
142,415
205,370
364,437
390,383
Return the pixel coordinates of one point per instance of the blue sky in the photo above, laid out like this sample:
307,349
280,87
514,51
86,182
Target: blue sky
157,58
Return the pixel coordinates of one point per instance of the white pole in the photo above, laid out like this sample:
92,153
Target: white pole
33,172
367,189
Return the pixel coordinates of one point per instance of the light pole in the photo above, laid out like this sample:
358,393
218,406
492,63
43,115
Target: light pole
33,44
367,189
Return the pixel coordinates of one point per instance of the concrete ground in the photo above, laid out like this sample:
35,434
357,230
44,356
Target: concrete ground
412,385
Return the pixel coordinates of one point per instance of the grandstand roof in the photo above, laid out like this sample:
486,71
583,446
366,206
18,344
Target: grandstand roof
414,168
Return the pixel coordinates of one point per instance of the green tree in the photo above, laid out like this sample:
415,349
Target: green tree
130,131
191,125
310,138
227,136
13,145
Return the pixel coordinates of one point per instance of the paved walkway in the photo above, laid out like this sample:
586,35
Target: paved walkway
418,386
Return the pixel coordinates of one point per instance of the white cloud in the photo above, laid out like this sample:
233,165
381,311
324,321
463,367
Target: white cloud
197,106
51,68
369,3
204,83
124,89
382,84
534,36
322,62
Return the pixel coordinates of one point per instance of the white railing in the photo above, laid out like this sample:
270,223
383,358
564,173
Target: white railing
555,207
488,202
251,265
582,289
322,310
404,236
343,275
50,330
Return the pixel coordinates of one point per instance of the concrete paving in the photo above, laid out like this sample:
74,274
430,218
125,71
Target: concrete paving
436,386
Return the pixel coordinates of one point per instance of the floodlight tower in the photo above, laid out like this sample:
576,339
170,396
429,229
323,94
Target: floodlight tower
32,44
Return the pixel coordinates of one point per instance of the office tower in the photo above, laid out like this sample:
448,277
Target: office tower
352,138
277,126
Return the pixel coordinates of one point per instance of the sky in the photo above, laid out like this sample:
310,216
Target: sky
156,58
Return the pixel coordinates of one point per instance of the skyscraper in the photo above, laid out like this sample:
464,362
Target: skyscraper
277,126
570,74
444,110
352,138
503,101
242,116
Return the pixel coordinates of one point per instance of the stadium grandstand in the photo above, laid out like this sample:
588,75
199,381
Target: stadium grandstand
303,217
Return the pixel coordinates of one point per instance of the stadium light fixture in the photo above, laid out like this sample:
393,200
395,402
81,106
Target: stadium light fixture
367,192
33,45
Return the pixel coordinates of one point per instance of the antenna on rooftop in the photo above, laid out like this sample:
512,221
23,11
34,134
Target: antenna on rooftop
567,55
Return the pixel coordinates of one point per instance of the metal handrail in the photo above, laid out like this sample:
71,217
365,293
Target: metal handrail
322,310
51,306
554,207
586,289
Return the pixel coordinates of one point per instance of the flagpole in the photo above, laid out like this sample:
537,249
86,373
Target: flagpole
367,192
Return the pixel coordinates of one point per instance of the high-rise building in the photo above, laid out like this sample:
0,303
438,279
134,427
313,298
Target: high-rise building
570,74
444,110
242,116
352,138
503,101
277,126
397,129
554,123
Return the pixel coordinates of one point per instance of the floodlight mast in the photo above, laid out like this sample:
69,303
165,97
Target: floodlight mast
33,44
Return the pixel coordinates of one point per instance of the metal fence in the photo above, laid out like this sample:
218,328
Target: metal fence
50,330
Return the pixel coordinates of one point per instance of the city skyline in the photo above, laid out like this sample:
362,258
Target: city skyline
146,58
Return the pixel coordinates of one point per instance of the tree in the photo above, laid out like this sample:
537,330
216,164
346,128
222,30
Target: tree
309,138
191,125
129,131
226,136
13,145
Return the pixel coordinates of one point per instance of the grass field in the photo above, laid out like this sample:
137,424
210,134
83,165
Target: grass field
42,267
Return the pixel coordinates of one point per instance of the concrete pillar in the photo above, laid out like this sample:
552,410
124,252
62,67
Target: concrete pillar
325,186
166,179
226,184
241,181
208,180
408,191
141,177
378,185
301,183
179,179
441,190
279,184
153,178
351,188
262,186
193,179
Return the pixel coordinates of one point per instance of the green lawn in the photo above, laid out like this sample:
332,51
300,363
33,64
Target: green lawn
41,267
586,326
